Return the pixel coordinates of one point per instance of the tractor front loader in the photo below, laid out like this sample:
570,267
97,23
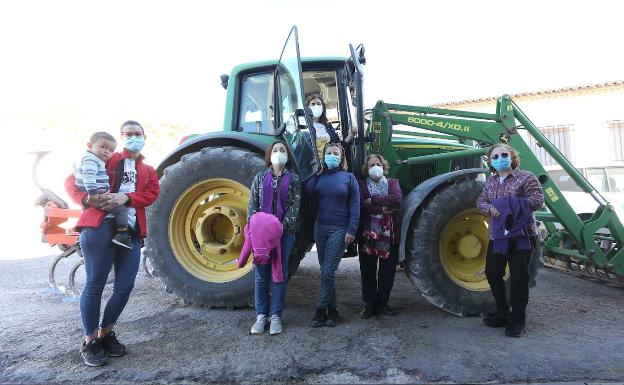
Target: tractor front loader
444,237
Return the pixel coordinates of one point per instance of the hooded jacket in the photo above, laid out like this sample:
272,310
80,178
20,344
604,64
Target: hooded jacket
262,236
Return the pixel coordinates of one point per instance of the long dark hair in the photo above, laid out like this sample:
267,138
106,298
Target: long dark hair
323,118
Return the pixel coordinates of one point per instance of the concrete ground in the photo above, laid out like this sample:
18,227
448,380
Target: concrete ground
575,334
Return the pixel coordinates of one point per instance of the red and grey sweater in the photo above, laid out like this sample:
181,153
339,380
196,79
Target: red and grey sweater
147,190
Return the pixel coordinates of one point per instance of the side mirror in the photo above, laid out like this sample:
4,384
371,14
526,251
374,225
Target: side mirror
300,114
224,80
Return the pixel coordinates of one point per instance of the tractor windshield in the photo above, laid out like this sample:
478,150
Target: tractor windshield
293,121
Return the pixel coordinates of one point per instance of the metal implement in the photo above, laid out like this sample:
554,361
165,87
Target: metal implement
57,230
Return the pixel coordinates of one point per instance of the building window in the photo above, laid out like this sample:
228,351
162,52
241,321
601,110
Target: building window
560,137
617,134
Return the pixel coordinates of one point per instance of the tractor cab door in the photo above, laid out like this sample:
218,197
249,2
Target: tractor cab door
294,124
355,84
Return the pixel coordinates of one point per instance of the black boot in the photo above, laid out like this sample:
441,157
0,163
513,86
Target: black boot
496,320
367,312
386,310
517,323
332,317
320,316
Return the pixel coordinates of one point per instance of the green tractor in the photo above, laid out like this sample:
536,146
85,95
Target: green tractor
196,225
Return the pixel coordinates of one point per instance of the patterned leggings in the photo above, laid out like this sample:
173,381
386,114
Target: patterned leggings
330,246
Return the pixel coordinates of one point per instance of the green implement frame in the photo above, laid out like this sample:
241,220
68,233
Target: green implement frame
597,241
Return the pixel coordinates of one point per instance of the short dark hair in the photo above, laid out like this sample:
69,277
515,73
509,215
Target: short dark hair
269,151
102,135
131,123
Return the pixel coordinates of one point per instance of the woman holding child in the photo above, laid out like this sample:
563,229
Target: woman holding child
133,184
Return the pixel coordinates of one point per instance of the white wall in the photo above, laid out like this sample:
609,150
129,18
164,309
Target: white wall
591,140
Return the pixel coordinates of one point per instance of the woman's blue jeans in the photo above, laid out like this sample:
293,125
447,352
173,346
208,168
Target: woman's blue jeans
100,256
264,281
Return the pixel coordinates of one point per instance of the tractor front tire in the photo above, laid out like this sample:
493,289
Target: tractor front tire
446,249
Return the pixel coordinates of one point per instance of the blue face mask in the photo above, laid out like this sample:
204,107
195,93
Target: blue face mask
134,144
332,161
501,164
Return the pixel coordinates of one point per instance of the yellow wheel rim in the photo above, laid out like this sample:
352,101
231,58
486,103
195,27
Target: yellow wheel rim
206,229
463,246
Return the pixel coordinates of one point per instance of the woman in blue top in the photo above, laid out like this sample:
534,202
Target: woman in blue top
335,196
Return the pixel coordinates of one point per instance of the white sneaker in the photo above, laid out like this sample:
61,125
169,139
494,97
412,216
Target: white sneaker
258,327
276,325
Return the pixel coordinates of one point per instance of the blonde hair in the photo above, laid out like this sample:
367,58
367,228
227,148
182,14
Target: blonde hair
386,165
515,159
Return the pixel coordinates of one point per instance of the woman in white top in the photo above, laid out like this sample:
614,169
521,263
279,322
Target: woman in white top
325,133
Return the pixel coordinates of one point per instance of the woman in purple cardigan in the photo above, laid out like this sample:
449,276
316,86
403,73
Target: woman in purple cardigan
378,235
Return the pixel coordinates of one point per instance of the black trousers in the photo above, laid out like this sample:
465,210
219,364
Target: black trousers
377,284
518,261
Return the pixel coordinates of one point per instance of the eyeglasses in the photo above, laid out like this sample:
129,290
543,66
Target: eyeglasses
131,134
503,155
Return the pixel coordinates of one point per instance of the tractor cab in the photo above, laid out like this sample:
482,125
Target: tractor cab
272,101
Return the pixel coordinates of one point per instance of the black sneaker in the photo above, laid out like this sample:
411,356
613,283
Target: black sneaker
319,317
123,240
515,328
332,316
496,320
367,312
92,353
112,346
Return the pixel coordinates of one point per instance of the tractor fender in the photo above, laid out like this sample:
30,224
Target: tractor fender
418,195
213,139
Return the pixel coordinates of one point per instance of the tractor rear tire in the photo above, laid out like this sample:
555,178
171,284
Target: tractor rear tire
452,208
181,268
216,170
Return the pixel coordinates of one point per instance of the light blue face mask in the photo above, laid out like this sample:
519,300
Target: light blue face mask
134,143
332,161
501,164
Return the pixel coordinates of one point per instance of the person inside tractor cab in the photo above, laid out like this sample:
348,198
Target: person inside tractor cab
509,197
133,184
325,132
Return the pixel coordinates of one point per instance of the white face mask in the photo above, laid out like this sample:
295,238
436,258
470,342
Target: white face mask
375,172
317,111
279,158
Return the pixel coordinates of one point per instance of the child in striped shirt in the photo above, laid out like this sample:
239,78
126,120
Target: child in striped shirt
91,177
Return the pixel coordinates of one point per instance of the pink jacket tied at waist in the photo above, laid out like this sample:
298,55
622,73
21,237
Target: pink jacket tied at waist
262,236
